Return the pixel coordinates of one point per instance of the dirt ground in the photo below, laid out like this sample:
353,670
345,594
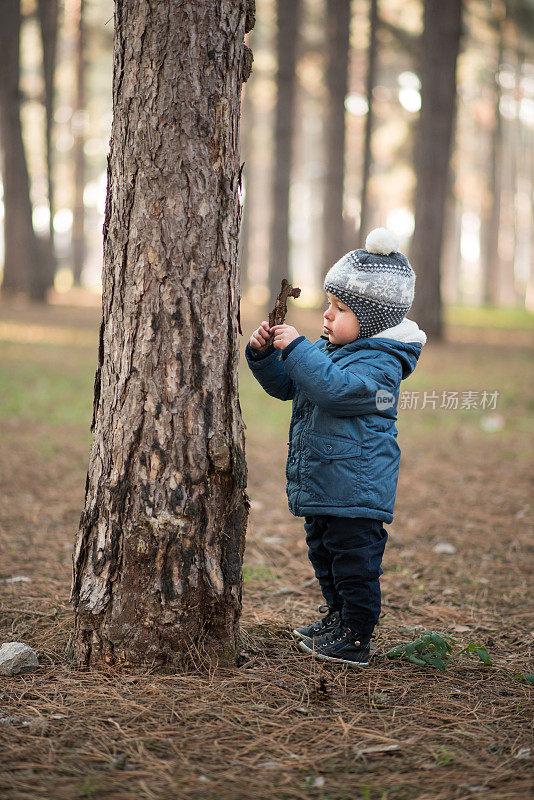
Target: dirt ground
282,725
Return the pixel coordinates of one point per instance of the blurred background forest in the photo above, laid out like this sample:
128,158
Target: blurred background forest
334,140
414,114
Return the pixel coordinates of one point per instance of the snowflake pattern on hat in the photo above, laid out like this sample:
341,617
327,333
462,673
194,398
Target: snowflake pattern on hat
377,287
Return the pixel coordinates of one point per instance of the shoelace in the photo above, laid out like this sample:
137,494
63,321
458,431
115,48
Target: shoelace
329,613
344,633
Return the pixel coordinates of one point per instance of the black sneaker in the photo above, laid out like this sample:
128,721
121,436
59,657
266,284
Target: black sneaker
321,626
340,644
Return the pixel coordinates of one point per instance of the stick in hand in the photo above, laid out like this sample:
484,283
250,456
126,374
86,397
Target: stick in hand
278,315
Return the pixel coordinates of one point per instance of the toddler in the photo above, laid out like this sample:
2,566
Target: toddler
343,459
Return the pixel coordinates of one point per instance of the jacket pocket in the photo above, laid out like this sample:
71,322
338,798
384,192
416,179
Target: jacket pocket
333,469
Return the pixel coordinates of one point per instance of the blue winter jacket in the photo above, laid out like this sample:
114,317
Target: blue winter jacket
343,456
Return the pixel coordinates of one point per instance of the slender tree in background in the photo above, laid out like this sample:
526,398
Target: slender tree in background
78,130
337,44
511,179
48,18
492,208
288,13
21,251
529,288
157,563
246,150
440,46
367,155
516,20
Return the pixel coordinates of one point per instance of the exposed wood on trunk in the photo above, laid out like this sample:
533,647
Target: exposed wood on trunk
157,563
278,314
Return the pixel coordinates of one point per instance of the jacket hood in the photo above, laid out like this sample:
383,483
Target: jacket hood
405,341
406,331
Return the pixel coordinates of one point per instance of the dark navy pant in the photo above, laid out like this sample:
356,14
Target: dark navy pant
346,554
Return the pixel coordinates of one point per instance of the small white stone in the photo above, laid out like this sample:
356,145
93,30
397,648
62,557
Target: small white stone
523,753
35,724
445,548
17,658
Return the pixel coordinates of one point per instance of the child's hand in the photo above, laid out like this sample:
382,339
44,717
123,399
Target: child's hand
260,336
283,335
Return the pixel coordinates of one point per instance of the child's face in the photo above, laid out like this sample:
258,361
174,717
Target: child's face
340,323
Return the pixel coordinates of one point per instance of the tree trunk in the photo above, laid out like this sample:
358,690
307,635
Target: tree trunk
529,288
157,563
440,45
288,12
506,296
20,261
513,290
79,125
367,154
48,16
492,215
337,41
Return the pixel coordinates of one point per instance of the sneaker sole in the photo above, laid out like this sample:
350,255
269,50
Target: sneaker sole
322,657
301,635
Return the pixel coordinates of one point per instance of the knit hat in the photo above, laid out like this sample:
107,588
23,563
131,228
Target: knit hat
377,283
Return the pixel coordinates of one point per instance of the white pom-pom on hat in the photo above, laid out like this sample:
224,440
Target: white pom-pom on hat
383,241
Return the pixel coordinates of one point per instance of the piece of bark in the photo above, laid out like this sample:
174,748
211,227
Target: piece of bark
278,314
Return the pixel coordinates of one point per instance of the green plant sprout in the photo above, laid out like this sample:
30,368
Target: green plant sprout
527,676
444,756
435,650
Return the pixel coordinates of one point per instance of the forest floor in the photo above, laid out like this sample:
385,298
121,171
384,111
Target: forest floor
282,725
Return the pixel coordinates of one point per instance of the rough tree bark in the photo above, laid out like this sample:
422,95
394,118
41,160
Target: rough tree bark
337,39
20,242
157,563
440,45
288,12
